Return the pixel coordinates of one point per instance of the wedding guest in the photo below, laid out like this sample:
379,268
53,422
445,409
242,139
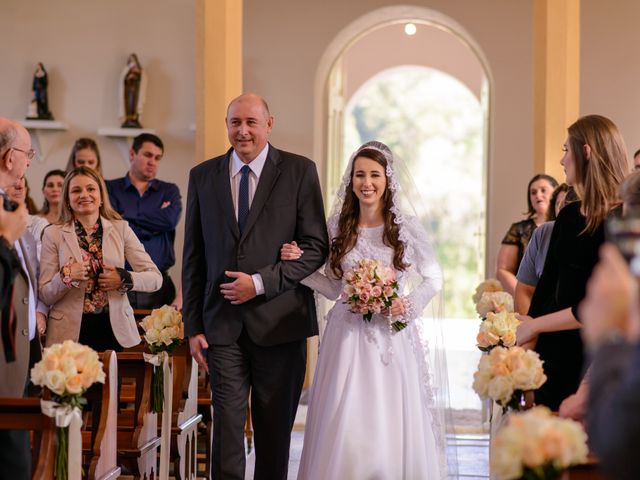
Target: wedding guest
84,153
535,254
611,316
52,192
515,242
82,275
595,163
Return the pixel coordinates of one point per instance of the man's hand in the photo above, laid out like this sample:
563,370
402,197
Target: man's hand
240,290
611,303
13,224
165,204
575,406
197,344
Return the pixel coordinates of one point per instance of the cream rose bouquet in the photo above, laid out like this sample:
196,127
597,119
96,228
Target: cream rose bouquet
497,330
370,287
505,373
536,445
67,369
487,286
494,302
163,332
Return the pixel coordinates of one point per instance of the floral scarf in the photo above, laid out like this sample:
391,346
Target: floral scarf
95,299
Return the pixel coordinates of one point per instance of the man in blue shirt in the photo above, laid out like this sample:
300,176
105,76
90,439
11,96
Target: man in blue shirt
152,208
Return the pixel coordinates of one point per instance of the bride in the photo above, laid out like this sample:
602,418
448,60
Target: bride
374,409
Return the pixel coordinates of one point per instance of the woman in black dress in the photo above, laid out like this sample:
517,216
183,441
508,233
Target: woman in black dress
515,242
595,163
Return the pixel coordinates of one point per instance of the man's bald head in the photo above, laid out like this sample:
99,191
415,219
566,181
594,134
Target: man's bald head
250,98
15,152
8,133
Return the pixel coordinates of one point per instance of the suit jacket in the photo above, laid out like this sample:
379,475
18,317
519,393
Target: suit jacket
119,243
14,375
613,420
287,206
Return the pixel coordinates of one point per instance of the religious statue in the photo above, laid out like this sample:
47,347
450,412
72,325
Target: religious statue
39,107
132,91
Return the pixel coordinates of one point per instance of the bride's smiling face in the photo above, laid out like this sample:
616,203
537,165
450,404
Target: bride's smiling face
369,181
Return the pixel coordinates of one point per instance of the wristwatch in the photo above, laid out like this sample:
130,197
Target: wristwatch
125,279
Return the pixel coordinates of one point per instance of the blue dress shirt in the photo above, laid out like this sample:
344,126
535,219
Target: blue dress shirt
154,226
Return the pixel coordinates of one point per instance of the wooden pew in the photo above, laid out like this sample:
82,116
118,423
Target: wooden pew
138,440
25,414
185,416
586,471
99,448
203,463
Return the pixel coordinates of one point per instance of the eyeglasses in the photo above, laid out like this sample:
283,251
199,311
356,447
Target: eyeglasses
31,153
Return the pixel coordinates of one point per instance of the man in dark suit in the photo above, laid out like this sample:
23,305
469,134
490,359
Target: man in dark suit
611,317
18,339
246,314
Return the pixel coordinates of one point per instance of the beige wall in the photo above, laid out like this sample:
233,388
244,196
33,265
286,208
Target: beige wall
281,59
610,68
84,46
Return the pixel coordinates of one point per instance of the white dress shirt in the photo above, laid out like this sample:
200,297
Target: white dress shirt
256,166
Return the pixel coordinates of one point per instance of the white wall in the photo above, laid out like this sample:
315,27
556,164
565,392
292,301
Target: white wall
84,46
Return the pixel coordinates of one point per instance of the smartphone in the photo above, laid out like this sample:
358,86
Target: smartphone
9,205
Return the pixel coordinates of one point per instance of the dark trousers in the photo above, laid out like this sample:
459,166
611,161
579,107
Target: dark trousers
151,300
274,377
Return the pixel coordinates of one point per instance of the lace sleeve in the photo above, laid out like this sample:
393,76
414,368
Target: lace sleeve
326,284
424,268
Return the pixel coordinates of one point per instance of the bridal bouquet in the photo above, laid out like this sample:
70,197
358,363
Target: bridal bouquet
497,330
163,331
67,369
505,373
369,288
537,445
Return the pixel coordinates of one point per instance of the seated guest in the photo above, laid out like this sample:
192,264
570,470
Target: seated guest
611,317
52,192
517,238
82,275
152,208
84,153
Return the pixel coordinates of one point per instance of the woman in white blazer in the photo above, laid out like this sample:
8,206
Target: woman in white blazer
82,274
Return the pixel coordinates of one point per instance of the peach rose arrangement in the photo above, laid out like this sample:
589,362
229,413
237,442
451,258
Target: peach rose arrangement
497,330
67,369
163,332
536,445
505,373
491,297
370,287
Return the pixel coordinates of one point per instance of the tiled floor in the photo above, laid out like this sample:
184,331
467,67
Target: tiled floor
472,453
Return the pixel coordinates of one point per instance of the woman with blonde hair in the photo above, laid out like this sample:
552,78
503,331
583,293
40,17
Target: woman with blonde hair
82,274
595,163
84,153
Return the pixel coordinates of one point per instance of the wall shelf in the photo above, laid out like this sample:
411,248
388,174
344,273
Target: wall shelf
121,136
35,126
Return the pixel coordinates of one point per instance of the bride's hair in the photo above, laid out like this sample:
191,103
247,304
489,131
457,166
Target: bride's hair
347,234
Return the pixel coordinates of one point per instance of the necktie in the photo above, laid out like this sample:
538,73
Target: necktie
243,198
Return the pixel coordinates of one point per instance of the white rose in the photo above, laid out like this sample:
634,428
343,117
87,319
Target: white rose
54,381
165,336
152,335
489,285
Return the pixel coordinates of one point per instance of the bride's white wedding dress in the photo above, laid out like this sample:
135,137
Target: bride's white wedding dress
372,409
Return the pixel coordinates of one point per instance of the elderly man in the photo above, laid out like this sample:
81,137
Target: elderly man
20,345
240,298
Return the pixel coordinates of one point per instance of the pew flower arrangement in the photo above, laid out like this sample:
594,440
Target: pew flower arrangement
491,297
369,288
497,330
536,445
67,369
163,332
504,374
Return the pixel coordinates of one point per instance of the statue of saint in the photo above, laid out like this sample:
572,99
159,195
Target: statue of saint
132,91
39,108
